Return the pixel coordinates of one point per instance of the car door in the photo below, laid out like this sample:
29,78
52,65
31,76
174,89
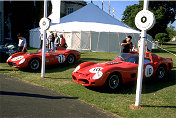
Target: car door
148,68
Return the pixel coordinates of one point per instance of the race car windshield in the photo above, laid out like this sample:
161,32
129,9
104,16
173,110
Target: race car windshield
127,57
132,58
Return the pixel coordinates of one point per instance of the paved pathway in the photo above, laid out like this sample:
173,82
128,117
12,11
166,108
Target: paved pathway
20,99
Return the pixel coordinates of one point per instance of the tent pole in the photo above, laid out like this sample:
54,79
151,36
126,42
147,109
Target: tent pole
108,42
90,40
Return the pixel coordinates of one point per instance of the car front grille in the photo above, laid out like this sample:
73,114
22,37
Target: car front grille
83,81
12,64
80,81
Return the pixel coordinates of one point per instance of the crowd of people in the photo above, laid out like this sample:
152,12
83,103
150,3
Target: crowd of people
53,41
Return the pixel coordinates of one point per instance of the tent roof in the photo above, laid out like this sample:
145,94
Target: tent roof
90,18
88,26
91,13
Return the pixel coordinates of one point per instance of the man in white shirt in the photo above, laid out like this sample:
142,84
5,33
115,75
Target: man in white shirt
22,43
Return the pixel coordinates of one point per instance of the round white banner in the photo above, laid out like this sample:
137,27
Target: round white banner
44,23
144,20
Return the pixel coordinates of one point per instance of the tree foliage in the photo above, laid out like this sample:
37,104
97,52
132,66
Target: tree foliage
164,12
171,32
162,37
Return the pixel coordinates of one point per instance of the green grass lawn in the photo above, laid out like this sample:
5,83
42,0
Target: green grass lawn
158,97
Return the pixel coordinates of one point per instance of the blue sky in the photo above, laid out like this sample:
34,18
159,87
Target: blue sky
119,7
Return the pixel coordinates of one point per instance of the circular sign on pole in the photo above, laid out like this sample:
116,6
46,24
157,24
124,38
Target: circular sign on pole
44,23
144,20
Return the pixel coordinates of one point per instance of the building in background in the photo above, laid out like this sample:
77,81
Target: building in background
21,16
1,21
68,7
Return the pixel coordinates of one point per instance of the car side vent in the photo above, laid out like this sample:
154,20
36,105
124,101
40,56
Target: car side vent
133,75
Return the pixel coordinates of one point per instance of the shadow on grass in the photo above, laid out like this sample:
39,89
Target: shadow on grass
158,106
9,70
159,50
55,78
34,95
93,59
149,85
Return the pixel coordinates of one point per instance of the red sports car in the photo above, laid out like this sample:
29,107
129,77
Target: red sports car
122,69
33,60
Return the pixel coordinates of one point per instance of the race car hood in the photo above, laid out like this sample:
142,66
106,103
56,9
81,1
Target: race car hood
98,67
20,55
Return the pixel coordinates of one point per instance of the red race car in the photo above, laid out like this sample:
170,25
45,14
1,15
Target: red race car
122,69
33,60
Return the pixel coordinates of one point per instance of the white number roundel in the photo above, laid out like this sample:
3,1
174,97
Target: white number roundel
61,58
17,58
95,70
148,71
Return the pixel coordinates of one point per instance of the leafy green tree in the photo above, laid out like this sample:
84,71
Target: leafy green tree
130,13
171,32
162,38
164,11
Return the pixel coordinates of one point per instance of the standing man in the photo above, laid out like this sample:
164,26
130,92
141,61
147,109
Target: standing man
63,42
127,45
22,43
56,40
140,43
41,39
51,41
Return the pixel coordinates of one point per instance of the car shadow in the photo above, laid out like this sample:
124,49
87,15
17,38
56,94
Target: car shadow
149,85
34,95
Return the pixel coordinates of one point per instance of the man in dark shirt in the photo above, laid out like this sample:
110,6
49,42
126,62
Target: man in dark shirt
126,45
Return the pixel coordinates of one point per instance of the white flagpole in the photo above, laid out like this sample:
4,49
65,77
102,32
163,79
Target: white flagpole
44,43
141,62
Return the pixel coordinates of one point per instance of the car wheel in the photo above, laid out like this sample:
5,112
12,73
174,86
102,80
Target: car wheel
161,72
113,82
34,64
71,59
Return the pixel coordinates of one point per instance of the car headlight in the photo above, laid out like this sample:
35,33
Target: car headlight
22,61
9,58
97,75
77,68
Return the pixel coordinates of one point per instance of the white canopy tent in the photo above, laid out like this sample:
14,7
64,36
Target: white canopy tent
90,28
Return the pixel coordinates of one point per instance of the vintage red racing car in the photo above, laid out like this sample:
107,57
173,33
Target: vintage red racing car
122,69
33,60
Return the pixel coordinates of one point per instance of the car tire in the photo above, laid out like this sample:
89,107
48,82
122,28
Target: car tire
113,82
34,64
71,59
161,72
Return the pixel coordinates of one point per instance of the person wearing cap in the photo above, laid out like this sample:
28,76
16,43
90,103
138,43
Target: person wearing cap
63,42
22,43
127,45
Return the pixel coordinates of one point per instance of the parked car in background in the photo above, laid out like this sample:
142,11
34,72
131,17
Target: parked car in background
33,60
7,48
